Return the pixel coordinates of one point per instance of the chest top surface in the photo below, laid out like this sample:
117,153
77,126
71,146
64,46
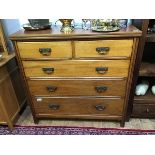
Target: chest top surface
54,33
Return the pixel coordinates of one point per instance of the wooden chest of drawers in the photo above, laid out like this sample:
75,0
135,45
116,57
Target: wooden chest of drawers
84,75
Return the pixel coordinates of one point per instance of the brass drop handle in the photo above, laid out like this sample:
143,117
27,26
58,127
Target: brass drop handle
48,70
101,89
51,88
45,51
147,110
100,107
101,70
54,106
103,50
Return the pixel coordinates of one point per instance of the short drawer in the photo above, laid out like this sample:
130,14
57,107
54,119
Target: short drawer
68,87
76,68
77,106
42,50
143,110
104,48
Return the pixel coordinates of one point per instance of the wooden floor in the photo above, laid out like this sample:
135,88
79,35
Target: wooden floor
147,124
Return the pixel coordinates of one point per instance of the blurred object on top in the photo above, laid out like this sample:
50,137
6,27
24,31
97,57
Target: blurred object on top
151,27
37,24
122,23
66,25
105,25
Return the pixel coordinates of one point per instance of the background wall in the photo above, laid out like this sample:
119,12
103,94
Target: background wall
10,26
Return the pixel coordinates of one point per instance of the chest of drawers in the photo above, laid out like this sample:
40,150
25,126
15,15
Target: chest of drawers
81,75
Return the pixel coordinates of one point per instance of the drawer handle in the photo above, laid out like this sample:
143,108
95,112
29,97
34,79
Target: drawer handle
101,89
103,50
54,106
100,107
51,88
45,51
39,99
101,70
48,70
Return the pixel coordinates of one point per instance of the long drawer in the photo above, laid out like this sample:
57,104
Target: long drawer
76,68
87,87
43,50
78,106
104,48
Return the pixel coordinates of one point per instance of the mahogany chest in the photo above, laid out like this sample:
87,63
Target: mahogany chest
80,75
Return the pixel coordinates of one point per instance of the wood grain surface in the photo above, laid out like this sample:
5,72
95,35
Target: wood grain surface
81,75
56,34
76,68
85,87
116,48
58,49
76,106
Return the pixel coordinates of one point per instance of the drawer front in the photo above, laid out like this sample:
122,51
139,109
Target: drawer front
77,68
143,110
77,87
77,106
104,48
45,49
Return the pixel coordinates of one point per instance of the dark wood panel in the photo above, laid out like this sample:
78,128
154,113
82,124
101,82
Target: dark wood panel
150,38
143,110
129,81
146,99
149,54
147,69
136,68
